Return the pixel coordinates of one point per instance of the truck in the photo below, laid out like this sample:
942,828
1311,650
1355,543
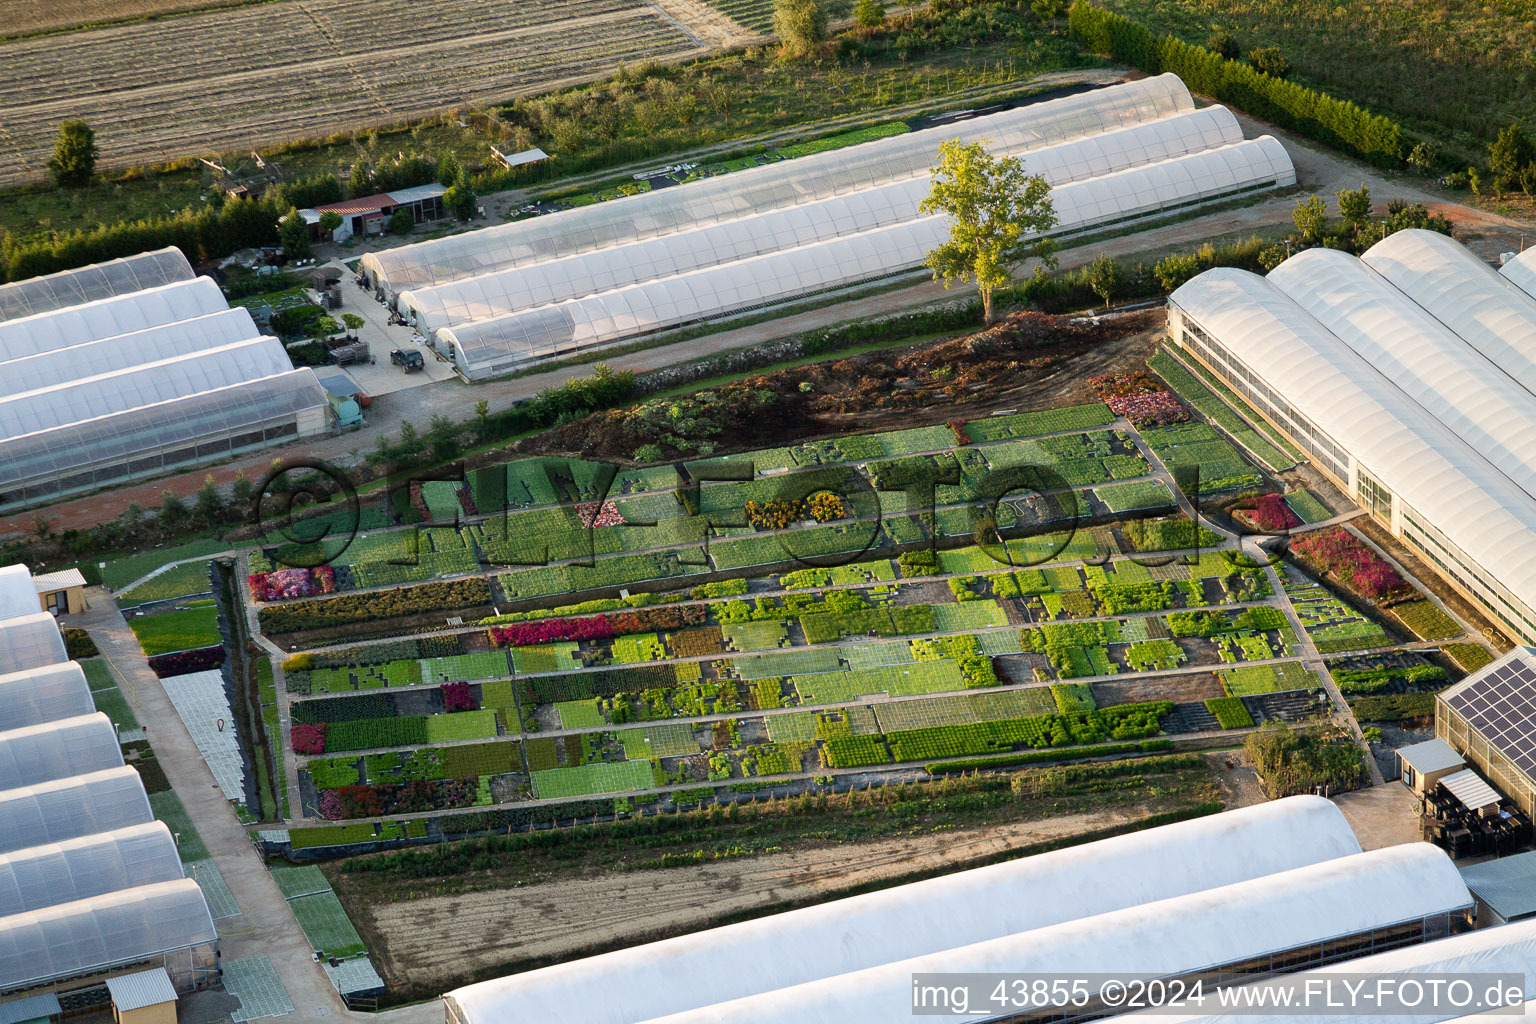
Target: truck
408,361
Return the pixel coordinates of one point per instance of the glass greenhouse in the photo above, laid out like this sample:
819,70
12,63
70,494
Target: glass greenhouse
18,596
106,318
1429,364
51,812
485,348
759,189
787,227
97,281
1428,486
45,694
30,641
56,750
184,431
125,351
78,869
165,921
1521,272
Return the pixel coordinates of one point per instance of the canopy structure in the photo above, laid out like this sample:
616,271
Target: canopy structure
96,281
126,351
17,594
1429,364
759,189
56,750
1509,949
950,911
1521,272
178,432
484,348
78,869
1495,319
115,929
1353,419
44,694
51,812
30,641
1233,924
105,318
786,227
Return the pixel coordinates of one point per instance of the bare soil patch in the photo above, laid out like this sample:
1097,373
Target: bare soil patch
1179,689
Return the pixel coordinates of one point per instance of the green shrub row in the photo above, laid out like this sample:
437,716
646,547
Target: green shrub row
1337,123
1230,712
1393,707
1036,756
350,609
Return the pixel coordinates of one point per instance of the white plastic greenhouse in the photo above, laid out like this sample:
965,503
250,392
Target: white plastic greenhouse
44,694
106,318
125,351
1352,418
96,934
1465,294
30,641
57,750
96,281
1386,892
18,596
485,348
1507,949
1429,364
52,812
911,920
1521,272
507,291
759,189
78,869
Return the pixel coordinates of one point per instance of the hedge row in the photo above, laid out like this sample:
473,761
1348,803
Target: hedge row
350,609
1036,756
1394,707
1337,123
1230,712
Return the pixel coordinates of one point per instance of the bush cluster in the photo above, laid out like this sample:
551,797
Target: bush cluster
351,609
185,662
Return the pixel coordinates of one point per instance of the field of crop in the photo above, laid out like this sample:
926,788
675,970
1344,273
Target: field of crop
177,631
28,17
1463,70
248,76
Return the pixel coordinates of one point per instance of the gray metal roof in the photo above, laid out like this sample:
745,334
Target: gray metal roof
32,1008
146,988
1508,885
1469,788
354,977
1431,756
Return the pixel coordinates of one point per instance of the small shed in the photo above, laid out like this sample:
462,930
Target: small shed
1425,764
1472,792
1505,889
62,593
43,1009
147,997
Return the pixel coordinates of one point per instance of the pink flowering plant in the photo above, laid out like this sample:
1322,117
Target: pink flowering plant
1342,555
286,584
1139,398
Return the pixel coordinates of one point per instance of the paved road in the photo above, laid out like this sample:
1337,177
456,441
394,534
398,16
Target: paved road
266,926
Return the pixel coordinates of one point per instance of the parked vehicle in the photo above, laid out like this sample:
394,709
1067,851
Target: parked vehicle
408,361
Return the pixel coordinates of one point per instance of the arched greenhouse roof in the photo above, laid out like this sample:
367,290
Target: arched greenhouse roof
51,812
18,596
78,869
30,641
57,750
44,694
106,318
1521,272
96,281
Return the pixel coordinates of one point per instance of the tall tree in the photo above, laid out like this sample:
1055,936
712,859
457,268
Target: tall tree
74,154
1510,154
1355,206
294,234
998,215
800,25
360,181
460,198
1270,61
447,168
1311,217
1104,276
1224,43
869,13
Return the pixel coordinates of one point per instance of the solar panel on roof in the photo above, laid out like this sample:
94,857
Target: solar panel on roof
1502,706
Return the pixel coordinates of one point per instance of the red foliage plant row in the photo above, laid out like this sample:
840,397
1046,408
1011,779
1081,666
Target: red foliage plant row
183,662
308,739
459,697
283,584
596,627
1139,398
1339,552
1270,512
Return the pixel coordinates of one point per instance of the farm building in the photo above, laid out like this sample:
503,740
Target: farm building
44,694
1490,719
1521,272
1428,422
1275,924
1505,889
501,298
97,281
1506,950
131,385
369,215
62,592
947,912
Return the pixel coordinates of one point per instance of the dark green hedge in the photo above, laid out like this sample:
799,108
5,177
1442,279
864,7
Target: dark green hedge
1337,123
967,764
